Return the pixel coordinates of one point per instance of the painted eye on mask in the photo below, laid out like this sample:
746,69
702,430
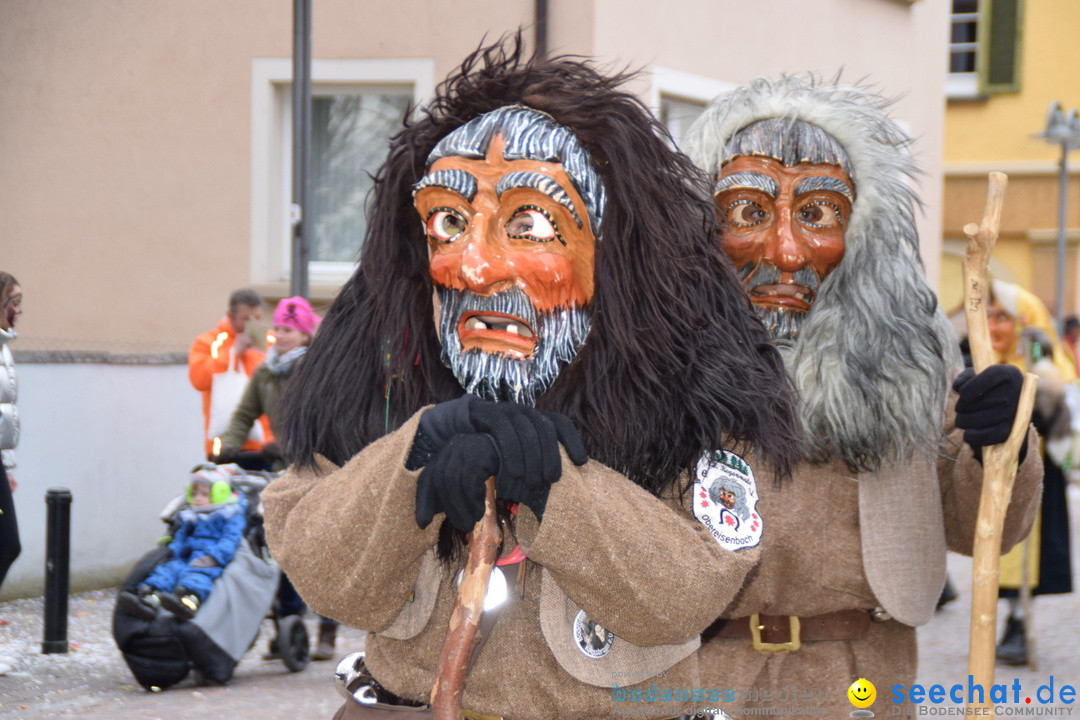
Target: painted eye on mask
746,213
445,225
821,214
532,223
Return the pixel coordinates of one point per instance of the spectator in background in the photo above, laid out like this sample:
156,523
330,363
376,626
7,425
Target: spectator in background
1022,334
1072,334
10,309
210,356
294,325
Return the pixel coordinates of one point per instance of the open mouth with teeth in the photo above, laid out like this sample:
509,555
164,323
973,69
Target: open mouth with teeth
797,298
496,332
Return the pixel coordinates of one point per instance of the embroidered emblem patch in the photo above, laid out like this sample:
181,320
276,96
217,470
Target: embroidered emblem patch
593,640
725,500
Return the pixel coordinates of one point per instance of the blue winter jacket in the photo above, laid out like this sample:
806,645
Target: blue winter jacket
213,530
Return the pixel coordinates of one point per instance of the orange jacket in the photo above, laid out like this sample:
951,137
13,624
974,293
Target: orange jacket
209,355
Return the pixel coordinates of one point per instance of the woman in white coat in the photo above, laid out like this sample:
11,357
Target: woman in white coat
10,309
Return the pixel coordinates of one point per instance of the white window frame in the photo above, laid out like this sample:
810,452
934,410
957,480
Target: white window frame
271,152
675,83
964,85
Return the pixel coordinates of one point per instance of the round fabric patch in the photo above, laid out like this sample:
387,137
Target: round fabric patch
593,640
725,500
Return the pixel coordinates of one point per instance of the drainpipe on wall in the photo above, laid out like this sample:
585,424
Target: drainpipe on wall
301,161
541,27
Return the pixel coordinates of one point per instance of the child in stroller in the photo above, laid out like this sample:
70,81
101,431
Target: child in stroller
208,532
162,637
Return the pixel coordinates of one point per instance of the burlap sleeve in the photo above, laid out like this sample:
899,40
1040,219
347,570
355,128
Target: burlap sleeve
347,536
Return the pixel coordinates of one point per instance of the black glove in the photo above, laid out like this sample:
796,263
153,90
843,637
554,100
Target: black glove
437,425
226,456
987,405
246,459
520,447
527,441
453,481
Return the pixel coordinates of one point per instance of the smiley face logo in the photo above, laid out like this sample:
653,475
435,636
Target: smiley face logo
862,693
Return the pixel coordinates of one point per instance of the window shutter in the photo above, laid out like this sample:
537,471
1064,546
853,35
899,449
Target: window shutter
999,69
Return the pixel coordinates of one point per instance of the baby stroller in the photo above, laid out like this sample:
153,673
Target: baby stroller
162,651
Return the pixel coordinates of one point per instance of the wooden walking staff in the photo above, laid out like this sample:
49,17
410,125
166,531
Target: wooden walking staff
465,617
999,461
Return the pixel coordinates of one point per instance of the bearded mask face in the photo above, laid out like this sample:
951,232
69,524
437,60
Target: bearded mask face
784,198
510,205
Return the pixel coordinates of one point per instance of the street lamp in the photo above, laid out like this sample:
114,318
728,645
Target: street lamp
1064,130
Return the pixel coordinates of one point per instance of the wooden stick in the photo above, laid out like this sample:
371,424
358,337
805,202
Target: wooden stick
981,239
454,659
999,461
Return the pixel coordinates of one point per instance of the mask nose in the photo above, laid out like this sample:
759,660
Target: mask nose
485,267
782,248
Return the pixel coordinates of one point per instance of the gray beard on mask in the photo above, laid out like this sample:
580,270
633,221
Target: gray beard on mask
504,377
781,324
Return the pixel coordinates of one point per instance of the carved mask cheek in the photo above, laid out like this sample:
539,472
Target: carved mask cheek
555,280
445,270
741,249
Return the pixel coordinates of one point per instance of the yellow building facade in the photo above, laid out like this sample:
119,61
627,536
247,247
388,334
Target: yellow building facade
994,124
995,127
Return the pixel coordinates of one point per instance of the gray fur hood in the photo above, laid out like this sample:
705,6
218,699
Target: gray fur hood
876,354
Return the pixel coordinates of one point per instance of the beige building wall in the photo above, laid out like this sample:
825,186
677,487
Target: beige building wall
126,133
126,126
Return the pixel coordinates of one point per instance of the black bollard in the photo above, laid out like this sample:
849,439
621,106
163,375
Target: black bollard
57,557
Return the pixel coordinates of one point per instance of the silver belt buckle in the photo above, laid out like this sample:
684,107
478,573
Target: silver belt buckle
352,680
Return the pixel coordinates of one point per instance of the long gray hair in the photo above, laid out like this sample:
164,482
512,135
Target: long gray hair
875,355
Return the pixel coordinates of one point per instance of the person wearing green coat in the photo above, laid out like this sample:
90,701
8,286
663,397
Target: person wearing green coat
294,325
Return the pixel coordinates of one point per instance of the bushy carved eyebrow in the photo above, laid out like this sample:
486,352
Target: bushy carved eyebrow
541,183
825,182
457,181
750,181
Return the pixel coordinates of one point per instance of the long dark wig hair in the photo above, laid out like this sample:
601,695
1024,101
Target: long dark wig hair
675,364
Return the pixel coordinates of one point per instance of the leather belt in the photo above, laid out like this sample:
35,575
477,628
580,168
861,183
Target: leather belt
773,633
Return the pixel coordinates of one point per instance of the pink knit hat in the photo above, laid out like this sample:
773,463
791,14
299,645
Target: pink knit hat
296,312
